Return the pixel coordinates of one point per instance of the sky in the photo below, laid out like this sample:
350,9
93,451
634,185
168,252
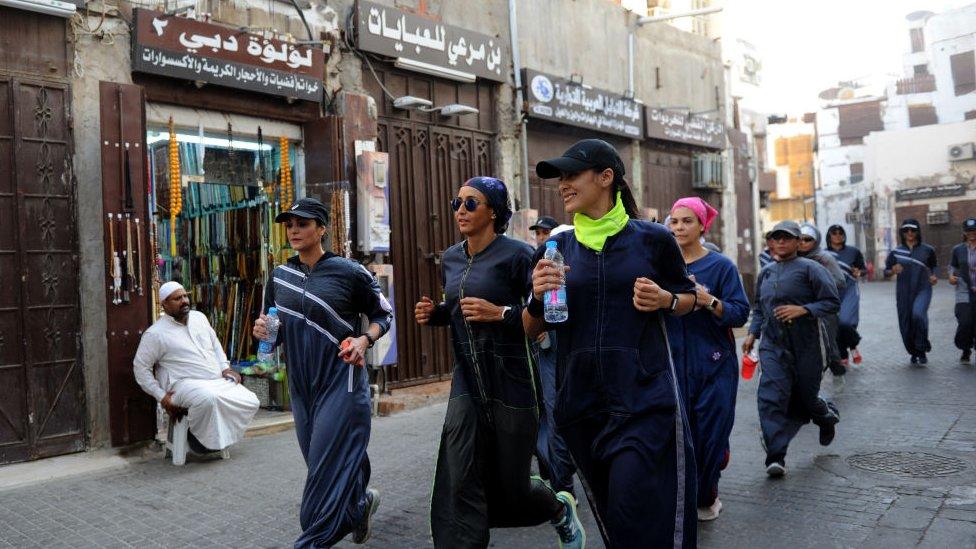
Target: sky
809,45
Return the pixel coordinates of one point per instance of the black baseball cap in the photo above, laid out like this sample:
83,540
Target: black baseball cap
544,222
309,208
791,228
969,224
588,154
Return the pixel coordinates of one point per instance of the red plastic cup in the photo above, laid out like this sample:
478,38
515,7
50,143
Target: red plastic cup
345,345
749,362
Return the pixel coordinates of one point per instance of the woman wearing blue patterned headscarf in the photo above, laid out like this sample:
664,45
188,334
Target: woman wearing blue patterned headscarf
483,479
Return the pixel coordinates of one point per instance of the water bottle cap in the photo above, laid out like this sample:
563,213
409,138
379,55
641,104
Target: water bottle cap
272,311
550,243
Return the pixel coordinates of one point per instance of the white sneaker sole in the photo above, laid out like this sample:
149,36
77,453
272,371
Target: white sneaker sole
707,514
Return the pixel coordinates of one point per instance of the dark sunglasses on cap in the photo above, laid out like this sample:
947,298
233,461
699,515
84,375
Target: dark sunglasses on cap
807,239
837,231
470,204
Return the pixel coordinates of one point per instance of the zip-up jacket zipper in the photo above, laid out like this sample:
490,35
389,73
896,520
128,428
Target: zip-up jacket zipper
474,355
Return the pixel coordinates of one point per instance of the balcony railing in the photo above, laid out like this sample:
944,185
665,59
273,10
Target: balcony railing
917,84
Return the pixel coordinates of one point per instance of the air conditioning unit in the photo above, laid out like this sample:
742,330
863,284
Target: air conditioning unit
962,151
938,218
852,217
708,171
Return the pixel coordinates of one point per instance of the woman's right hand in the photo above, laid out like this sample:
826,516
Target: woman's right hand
546,277
260,330
423,310
953,279
897,268
748,344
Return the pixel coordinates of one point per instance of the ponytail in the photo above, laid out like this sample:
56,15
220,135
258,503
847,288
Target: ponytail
626,196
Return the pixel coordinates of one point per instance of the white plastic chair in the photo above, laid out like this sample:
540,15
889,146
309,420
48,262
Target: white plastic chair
176,441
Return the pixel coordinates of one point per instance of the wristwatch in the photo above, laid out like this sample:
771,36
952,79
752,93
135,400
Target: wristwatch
370,339
713,304
674,302
505,311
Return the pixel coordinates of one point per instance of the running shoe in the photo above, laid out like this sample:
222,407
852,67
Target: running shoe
856,356
711,512
966,355
364,528
776,469
569,527
914,359
922,359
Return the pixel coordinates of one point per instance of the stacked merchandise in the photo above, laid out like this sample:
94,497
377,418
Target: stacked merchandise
217,236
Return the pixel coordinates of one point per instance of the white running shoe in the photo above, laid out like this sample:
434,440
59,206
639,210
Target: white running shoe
776,469
710,513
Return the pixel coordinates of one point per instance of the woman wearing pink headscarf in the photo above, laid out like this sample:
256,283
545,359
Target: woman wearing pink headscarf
704,347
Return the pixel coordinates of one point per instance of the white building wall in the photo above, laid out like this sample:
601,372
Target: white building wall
905,158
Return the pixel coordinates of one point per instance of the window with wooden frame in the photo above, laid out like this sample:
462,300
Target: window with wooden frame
918,40
963,72
922,115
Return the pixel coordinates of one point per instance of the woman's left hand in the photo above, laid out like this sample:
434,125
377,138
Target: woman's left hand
649,297
933,280
702,298
785,313
476,309
354,350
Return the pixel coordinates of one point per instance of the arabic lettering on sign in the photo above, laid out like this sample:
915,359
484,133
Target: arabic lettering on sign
679,126
930,191
228,73
175,34
561,100
389,31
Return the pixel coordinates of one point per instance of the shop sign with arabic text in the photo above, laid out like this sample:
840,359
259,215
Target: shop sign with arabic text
679,126
389,31
194,50
561,100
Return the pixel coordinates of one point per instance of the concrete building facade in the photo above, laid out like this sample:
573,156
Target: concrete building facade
115,108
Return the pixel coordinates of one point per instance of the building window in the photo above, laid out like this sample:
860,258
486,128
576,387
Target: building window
922,115
970,115
918,40
857,172
963,72
921,70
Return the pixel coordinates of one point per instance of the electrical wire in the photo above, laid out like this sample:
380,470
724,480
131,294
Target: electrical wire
363,56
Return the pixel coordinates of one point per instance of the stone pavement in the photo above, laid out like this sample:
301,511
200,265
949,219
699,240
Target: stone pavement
901,472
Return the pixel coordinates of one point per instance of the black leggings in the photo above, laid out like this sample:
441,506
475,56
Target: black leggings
966,316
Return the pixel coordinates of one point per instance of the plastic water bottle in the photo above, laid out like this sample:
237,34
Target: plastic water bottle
556,309
749,363
266,346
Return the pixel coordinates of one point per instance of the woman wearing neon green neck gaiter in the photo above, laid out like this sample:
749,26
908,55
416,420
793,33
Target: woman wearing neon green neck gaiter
617,404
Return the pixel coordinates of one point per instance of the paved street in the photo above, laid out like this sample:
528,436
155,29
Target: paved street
911,432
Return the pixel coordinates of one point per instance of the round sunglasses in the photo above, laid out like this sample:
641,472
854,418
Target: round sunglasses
470,204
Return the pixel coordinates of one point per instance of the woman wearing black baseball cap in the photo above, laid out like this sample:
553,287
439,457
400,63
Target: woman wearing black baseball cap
483,476
320,297
617,404
914,262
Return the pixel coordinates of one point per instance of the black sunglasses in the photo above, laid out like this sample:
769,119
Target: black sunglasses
470,204
807,239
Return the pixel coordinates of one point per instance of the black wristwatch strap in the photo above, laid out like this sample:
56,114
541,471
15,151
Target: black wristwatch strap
535,308
370,339
674,303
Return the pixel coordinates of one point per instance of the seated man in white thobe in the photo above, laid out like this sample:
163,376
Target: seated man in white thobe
193,375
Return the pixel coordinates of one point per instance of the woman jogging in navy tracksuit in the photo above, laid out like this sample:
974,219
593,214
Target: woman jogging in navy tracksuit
617,405
914,262
321,298
704,347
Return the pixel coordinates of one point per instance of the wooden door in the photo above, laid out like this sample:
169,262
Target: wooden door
42,390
